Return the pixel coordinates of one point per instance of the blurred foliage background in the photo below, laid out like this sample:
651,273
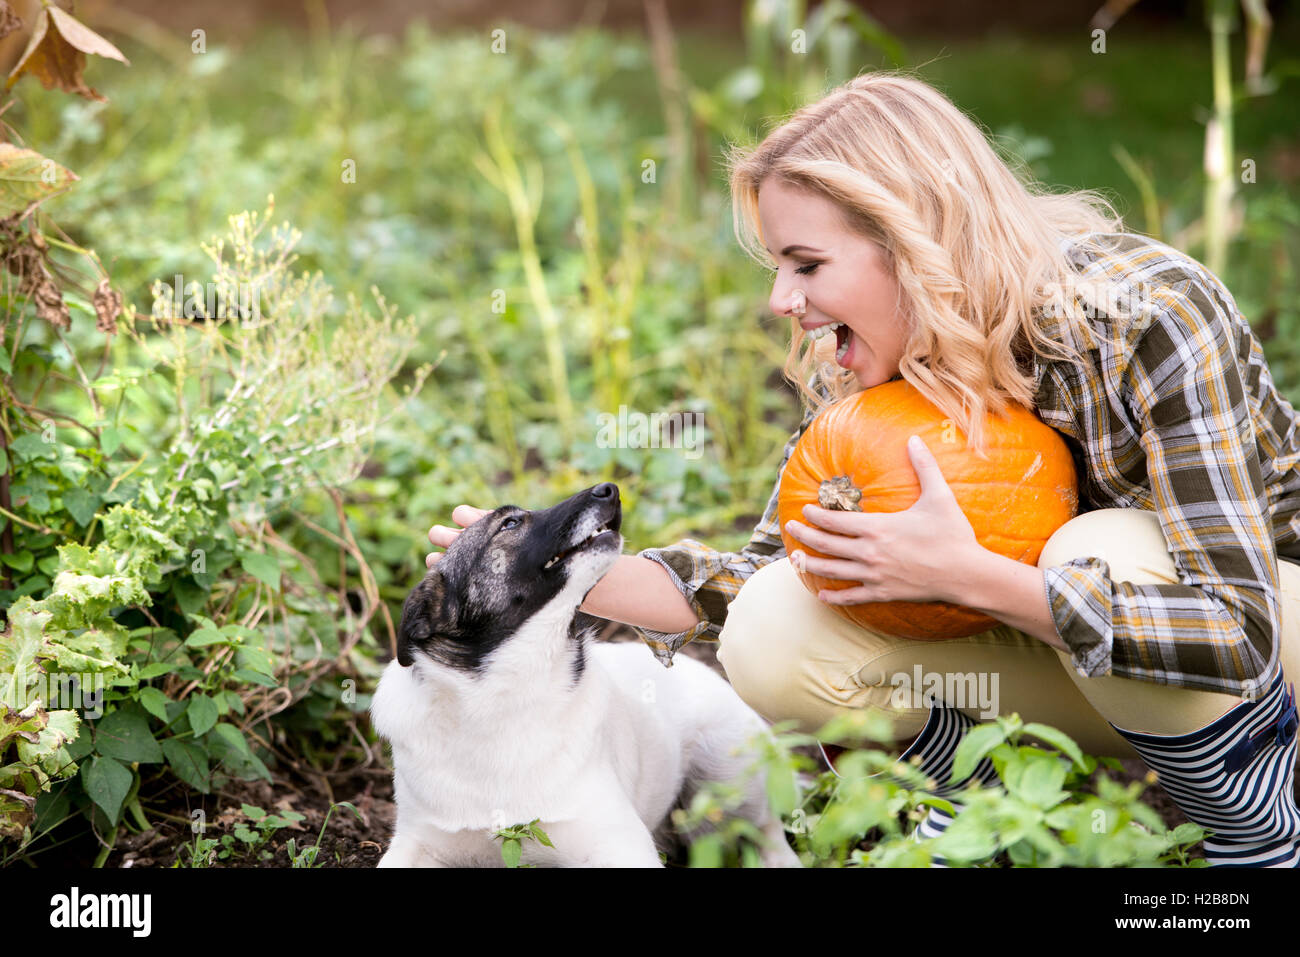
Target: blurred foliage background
656,307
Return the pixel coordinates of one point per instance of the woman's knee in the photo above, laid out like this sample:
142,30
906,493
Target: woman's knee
759,645
1129,540
789,656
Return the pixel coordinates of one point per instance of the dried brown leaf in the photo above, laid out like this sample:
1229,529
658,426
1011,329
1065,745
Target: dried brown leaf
108,304
9,21
56,53
26,261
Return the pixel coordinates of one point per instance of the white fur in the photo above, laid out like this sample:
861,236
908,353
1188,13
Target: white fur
601,763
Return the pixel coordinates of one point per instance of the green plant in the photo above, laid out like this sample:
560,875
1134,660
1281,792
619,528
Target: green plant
247,840
186,531
202,852
1050,807
718,837
512,839
306,856
264,827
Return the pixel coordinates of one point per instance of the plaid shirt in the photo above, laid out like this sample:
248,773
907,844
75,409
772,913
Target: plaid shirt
1174,412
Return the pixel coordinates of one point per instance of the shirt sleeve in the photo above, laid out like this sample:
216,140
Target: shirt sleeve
710,579
1218,629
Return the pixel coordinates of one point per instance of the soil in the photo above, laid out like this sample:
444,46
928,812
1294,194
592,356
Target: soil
359,840
349,840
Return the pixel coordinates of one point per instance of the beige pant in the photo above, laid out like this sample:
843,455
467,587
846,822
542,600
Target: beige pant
790,657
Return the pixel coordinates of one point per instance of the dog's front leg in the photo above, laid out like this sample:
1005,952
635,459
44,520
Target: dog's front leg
612,838
403,852
416,846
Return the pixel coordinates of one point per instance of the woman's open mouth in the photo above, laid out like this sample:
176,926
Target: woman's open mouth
843,338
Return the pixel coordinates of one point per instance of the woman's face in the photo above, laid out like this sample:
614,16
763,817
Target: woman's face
842,277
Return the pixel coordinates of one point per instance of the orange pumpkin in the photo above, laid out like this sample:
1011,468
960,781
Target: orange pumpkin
1015,500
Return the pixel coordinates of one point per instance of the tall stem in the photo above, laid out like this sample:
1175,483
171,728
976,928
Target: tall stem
1218,140
525,214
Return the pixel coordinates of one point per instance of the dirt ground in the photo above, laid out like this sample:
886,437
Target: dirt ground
359,840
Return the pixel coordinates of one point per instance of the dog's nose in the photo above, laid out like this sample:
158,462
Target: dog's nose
605,490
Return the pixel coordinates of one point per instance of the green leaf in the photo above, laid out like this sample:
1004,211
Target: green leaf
979,741
202,712
155,702
538,833
255,657
110,440
189,595
19,561
81,747
155,668
189,762
124,734
27,177
206,636
1057,739
264,568
227,745
32,445
511,851
80,504
255,677
107,782
1040,784
707,852
233,737
781,793
967,838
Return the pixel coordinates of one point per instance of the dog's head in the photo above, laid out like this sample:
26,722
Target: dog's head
503,569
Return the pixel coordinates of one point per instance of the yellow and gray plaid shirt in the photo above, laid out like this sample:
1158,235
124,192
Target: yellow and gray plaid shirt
1174,412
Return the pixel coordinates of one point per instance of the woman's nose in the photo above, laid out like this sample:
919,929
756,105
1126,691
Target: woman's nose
787,302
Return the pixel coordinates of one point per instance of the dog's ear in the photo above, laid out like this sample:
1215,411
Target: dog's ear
426,614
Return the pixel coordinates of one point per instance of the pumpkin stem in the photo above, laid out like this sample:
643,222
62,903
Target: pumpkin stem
839,493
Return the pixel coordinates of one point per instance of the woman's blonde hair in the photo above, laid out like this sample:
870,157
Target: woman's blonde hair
975,246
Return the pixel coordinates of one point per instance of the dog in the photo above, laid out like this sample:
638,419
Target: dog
500,710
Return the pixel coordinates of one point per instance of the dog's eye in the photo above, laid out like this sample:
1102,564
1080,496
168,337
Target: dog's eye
510,522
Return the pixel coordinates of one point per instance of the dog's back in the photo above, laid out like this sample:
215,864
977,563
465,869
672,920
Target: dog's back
696,705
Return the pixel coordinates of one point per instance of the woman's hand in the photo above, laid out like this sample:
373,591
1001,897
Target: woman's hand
919,554
462,515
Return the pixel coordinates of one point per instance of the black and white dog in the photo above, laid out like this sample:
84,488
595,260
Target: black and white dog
501,711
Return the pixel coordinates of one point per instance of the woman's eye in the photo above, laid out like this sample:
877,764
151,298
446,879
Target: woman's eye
807,270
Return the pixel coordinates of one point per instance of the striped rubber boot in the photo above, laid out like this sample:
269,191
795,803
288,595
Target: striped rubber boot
1234,778
936,744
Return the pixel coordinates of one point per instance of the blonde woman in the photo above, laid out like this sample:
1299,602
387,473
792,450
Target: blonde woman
1159,622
